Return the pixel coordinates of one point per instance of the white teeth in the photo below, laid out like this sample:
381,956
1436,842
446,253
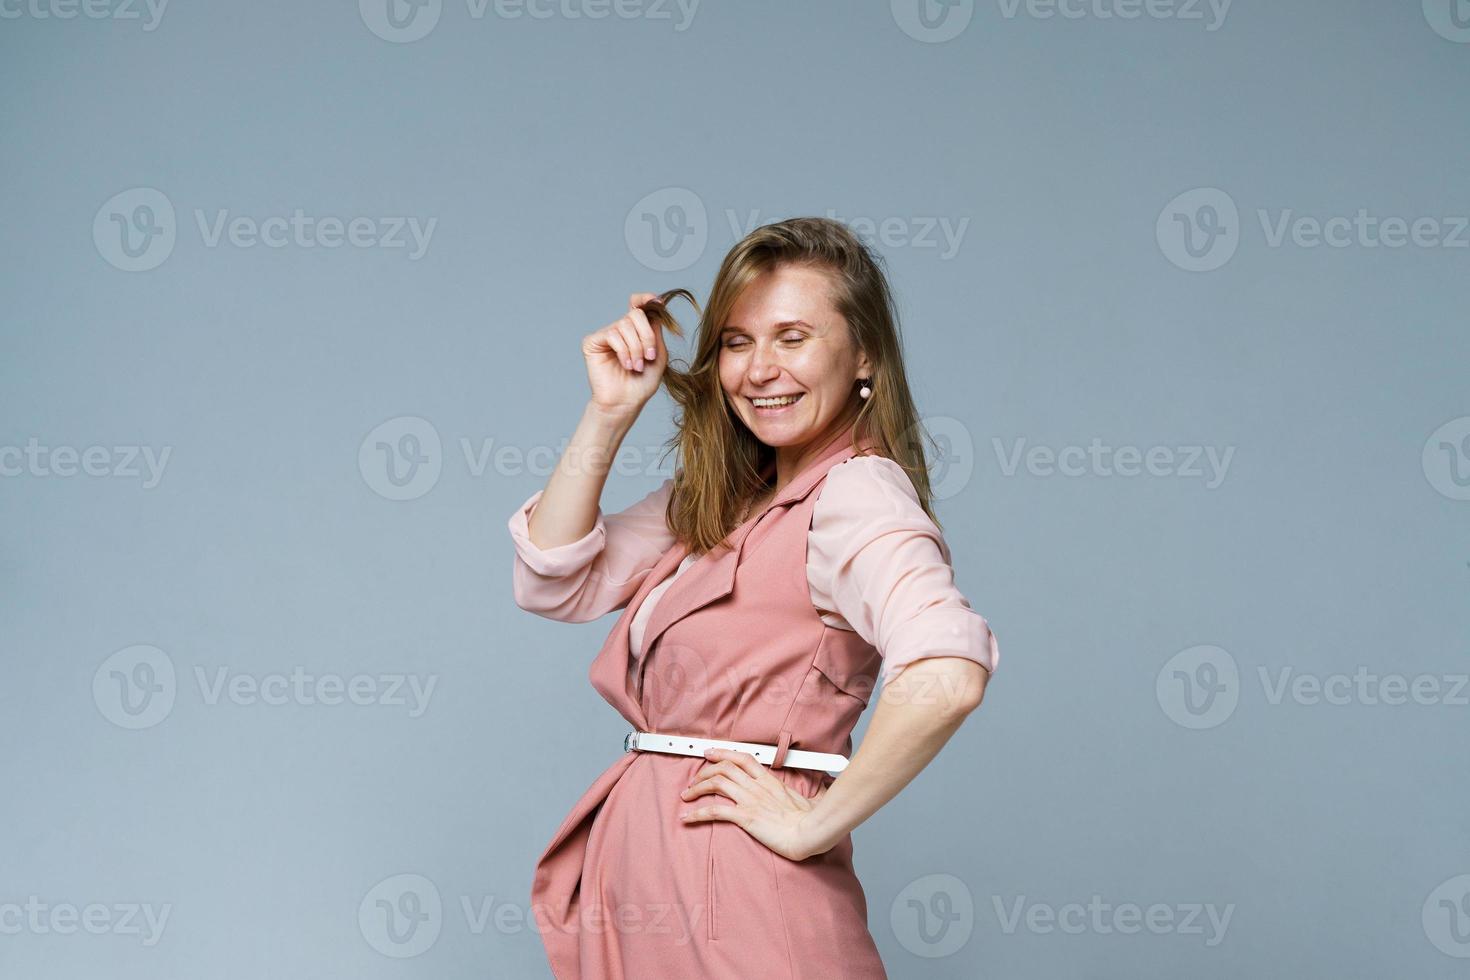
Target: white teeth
774,402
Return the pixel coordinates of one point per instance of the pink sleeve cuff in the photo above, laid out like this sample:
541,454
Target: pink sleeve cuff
942,632
562,559
580,580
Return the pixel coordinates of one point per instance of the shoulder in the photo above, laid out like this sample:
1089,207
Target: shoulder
868,497
868,506
866,483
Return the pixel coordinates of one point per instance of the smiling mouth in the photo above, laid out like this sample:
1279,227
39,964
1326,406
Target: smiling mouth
776,403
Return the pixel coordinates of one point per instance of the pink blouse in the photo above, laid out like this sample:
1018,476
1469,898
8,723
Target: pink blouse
876,564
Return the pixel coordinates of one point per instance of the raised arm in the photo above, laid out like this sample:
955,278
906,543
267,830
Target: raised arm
571,564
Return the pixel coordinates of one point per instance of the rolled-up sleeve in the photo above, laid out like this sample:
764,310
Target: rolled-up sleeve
877,560
580,580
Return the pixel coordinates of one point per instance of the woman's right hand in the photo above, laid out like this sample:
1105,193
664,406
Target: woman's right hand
620,369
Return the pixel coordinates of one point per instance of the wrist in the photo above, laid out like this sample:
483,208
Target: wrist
617,420
818,830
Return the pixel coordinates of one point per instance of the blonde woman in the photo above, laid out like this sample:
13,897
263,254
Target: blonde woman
790,564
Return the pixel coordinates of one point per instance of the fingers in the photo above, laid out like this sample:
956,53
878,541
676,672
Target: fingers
721,783
638,299
715,812
632,342
619,344
723,759
646,333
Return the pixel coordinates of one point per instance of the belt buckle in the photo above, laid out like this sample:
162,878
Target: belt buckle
628,740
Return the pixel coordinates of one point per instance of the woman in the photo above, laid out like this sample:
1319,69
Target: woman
791,558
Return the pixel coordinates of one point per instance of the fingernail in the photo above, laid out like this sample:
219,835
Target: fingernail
650,353
638,364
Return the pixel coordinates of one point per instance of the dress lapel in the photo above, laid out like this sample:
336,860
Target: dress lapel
712,577
709,579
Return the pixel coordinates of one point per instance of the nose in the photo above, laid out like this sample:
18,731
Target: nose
763,366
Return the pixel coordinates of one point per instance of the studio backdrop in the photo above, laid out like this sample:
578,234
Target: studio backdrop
293,302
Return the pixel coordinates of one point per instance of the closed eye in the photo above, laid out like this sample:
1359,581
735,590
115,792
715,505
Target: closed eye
741,341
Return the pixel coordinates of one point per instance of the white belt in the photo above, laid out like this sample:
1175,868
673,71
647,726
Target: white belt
636,741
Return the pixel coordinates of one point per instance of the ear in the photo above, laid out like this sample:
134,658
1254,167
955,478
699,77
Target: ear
865,367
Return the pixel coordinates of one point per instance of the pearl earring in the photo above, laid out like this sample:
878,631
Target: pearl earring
865,391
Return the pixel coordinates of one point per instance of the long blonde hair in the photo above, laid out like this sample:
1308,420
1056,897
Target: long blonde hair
722,460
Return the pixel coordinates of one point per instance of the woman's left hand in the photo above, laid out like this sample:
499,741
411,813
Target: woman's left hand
762,805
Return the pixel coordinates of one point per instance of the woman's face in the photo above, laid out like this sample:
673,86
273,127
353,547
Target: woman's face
784,337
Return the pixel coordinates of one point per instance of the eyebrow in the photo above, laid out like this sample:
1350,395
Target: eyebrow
780,326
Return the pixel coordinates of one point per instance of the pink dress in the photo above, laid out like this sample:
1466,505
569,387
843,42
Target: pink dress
740,648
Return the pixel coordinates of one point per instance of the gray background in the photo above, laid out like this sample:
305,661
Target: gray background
1335,834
